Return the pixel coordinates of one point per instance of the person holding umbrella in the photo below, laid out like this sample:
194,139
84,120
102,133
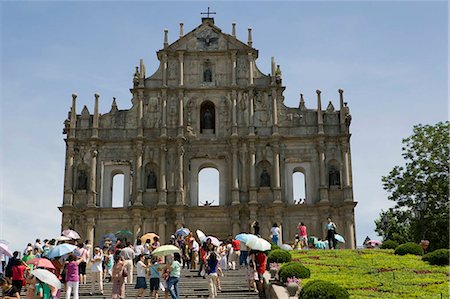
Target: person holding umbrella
331,231
42,290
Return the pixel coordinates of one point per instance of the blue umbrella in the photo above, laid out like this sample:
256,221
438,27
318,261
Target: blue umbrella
109,236
339,238
61,250
182,231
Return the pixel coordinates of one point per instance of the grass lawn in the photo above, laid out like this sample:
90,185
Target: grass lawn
377,273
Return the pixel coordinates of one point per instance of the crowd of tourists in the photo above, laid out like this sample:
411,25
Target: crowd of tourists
114,259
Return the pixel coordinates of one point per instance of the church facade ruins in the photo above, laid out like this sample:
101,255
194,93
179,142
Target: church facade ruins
208,106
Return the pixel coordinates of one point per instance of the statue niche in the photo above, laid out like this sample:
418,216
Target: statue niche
207,117
82,180
151,180
207,71
264,179
334,177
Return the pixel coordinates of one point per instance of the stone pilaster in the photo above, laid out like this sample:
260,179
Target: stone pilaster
234,113
252,166
234,179
276,173
323,190
164,70
164,113
93,178
274,112
181,67
140,114
180,113
233,67
138,180
243,157
162,175
68,176
180,176
251,121
250,68
90,224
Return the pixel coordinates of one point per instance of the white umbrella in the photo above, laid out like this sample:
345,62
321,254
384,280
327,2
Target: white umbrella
62,238
71,234
47,277
286,247
201,236
165,250
258,244
4,249
339,238
214,240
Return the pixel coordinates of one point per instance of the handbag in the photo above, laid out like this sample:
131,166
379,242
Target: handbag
124,272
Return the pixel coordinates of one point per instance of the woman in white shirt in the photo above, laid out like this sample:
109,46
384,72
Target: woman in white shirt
275,230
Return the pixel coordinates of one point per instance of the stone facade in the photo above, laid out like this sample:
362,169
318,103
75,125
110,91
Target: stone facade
208,105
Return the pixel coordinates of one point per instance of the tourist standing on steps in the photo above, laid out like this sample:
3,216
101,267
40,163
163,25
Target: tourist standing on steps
96,270
212,264
118,279
128,256
331,231
261,262
72,276
236,255
84,255
255,227
155,268
174,276
275,230
141,283
303,238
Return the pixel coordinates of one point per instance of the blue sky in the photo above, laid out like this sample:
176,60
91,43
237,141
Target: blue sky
391,59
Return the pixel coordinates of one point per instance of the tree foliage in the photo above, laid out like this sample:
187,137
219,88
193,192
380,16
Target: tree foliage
419,189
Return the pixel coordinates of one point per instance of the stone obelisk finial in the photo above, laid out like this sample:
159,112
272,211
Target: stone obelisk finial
250,41
166,38
233,29
181,29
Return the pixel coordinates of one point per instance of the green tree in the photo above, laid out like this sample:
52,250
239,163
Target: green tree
420,189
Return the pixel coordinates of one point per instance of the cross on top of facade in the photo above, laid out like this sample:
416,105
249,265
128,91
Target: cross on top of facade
207,13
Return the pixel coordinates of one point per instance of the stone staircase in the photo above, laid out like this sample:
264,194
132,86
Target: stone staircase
234,286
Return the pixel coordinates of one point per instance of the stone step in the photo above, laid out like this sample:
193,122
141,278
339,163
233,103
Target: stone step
233,283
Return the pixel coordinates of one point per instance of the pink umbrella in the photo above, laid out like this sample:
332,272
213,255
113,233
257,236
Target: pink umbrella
4,249
214,240
41,263
374,242
71,234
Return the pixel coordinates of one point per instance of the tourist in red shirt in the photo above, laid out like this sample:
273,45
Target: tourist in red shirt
18,274
303,238
236,254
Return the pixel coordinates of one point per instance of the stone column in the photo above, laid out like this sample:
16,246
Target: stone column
96,116
90,224
164,113
276,173
250,68
234,112
140,115
138,180
243,154
73,116
251,113
322,172
234,179
162,229
274,112
350,231
181,61
253,187
180,189
93,179
68,184
180,113
233,67
162,175
164,70
345,164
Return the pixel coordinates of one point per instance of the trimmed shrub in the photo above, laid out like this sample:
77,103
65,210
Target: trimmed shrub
389,244
293,269
274,247
323,289
279,256
438,257
409,248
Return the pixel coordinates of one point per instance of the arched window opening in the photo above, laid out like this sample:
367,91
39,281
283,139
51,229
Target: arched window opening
208,187
299,184
207,118
117,190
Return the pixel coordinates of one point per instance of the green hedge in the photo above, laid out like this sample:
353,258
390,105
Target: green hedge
323,289
438,257
279,256
389,244
409,248
293,269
